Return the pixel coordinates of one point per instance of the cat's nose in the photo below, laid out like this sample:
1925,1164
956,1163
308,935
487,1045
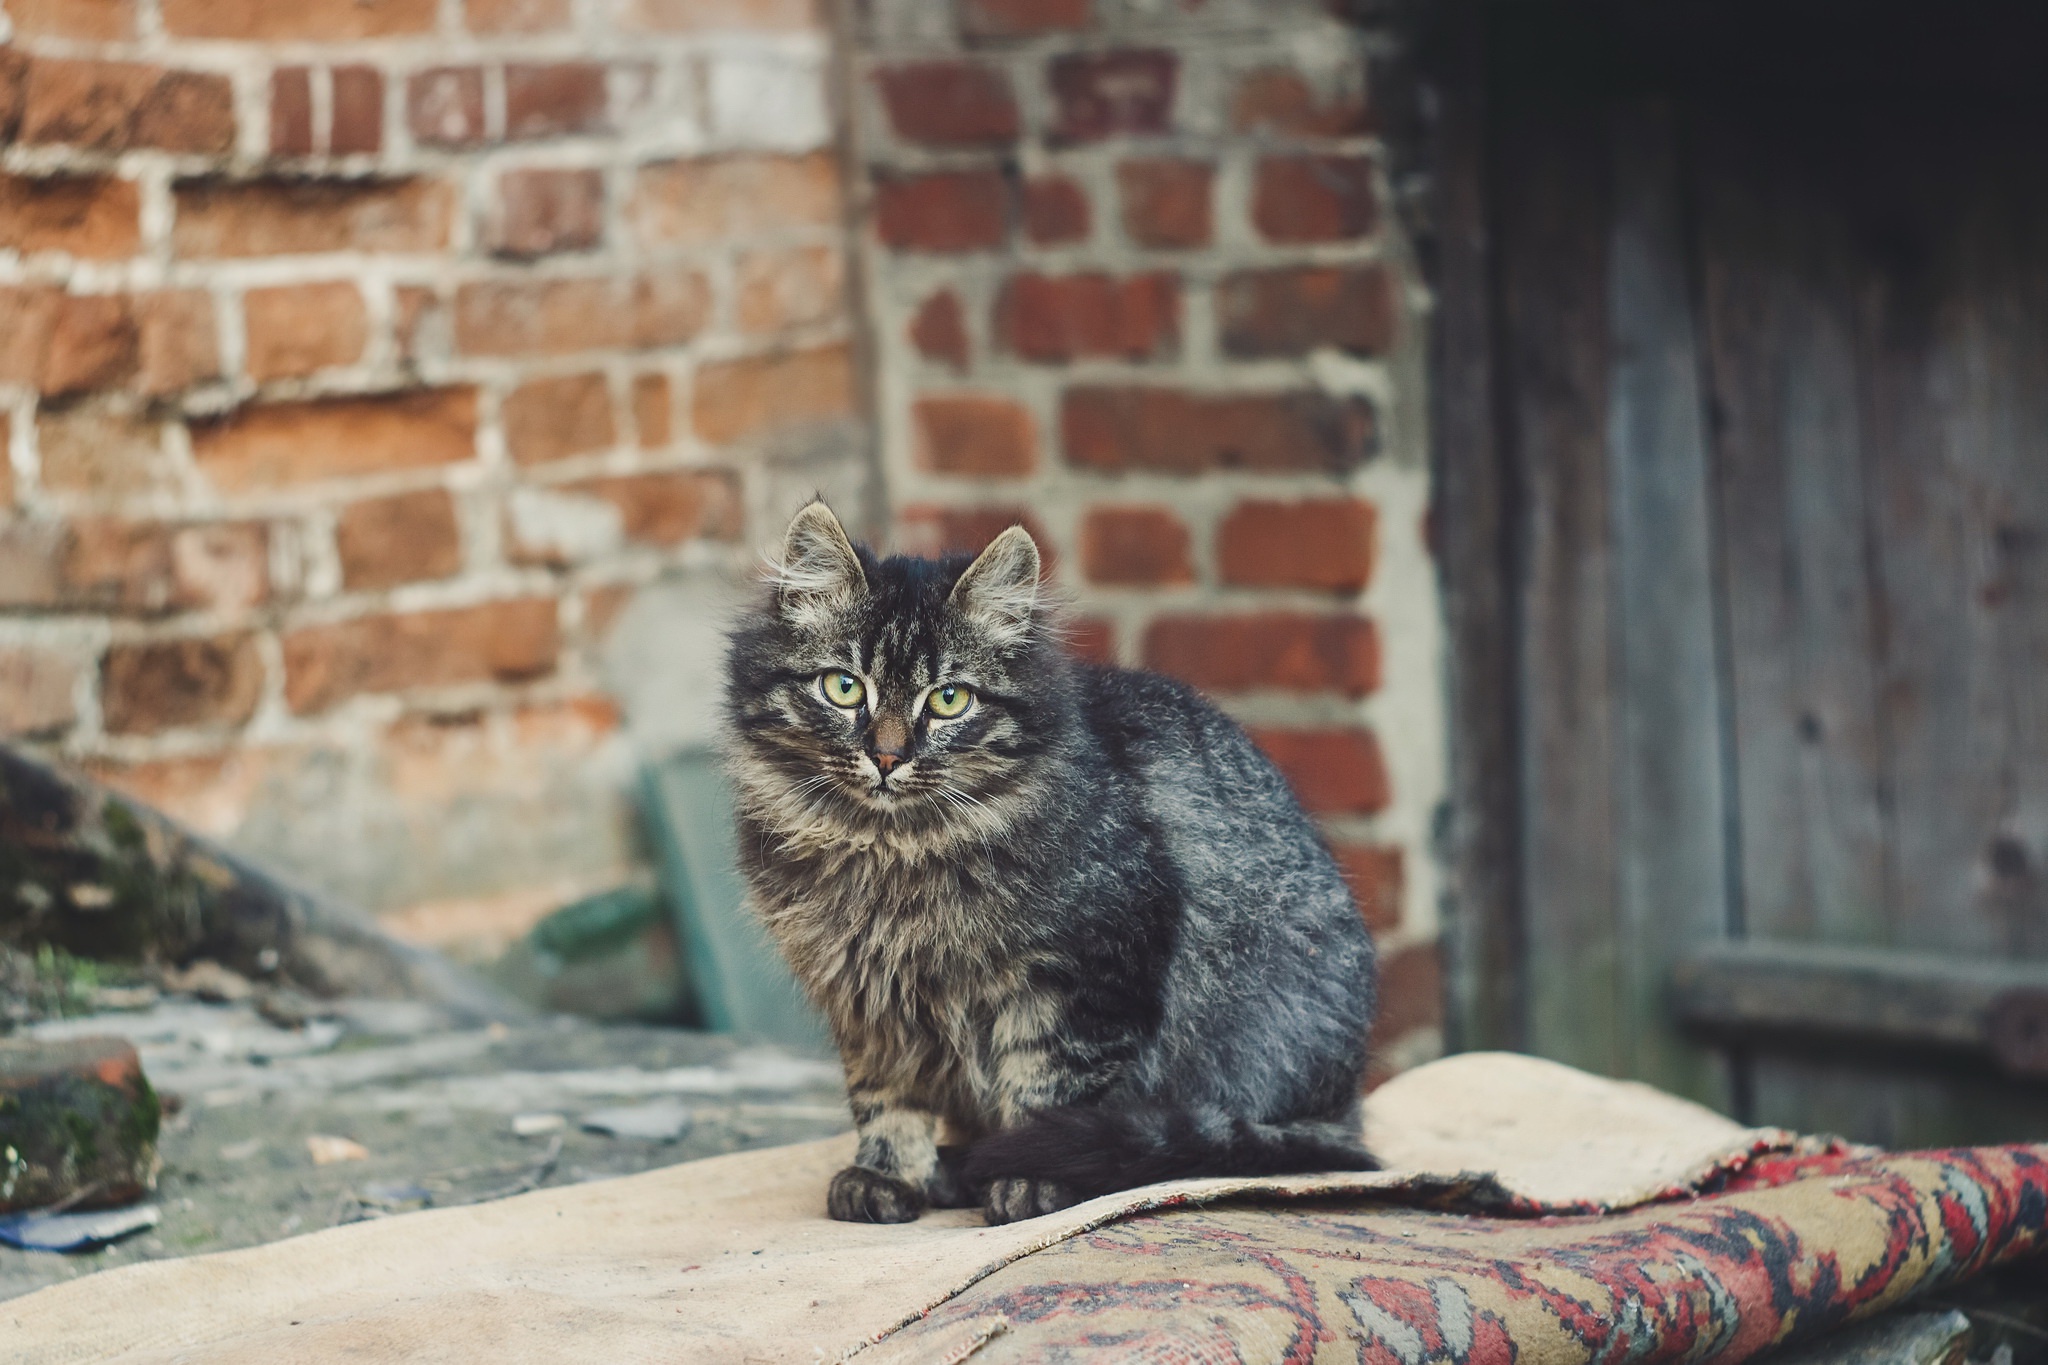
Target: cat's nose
886,760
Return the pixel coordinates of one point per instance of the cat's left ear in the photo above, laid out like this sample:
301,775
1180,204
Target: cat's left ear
819,573
1000,588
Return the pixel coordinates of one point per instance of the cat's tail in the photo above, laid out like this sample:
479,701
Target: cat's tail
1099,1149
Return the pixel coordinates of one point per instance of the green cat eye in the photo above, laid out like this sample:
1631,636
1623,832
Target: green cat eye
948,701
842,689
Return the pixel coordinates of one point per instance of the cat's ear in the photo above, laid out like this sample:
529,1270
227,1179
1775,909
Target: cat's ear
1000,588
819,572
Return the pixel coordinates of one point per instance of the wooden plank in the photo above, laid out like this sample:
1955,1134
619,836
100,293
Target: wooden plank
1483,928
1671,817
1552,249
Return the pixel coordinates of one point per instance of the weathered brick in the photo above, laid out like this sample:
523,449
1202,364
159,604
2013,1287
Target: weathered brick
554,418
1067,317
1092,638
555,100
1283,651
1315,198
939,331
942,210
188,111
14,68
95,217
974,435
301,329
113,106
1135,547
603,606
547,210
28,316
6,467
444,106
515,16
949,104
1166,202
1176,432
93,345
159,685
408,538
692,16
357,114
36,690
1377,879
276,445
671,506
734,400
506,641
653,410
101,449
1324,543
419,323
781,290
291,111
524,316
304,20
1277,99
1108,94
925,529
147,568
277,217
1290,312
1023,18
1333,772
178,341
1411,994
711,199
94,20
1055,211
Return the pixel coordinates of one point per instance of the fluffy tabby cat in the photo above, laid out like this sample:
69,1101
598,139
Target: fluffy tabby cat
1066,916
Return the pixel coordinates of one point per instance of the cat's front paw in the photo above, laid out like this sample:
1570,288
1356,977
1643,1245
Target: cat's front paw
1015,1198
859,1195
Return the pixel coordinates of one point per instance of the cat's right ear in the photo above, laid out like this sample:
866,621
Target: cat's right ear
819,573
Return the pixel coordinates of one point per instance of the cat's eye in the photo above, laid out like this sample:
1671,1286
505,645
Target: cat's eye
842,688
948,701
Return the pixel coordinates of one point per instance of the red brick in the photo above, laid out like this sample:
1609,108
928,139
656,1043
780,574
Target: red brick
508,641
555,100
1166,202
404,539
188,111
1092,638
1290,312
1135,547
94,217
280,217
444,106
36,687
1281,651
178,343
949,104
102,450
552,419
119,566
1108,94
93,345
780,290
357,110
691,203
1055,211
524,316
291,111
278,445
308,20
1175,432
973,435
693,16
14,69
1325,543
548,210
1333,772
1067,317
113,106
1023,18
28,315
6,467
163,685
939,331
515,16
1278,100
96,20
924,529
1411,993
653,410
1377,879
737,399
673,506
300,329
1315,198
942,211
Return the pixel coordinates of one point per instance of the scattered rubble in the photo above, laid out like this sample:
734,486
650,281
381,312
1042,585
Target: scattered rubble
78,1125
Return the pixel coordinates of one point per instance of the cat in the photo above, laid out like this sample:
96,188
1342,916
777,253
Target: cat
1067,913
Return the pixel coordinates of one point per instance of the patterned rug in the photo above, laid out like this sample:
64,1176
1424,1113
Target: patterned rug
1787,1249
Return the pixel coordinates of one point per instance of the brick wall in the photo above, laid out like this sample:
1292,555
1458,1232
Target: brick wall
361,363
1133,278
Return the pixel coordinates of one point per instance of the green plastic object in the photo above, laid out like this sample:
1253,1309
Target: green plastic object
740,981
